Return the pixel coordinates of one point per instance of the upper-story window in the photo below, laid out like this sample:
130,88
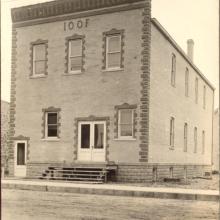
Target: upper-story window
75,56
113,52
39,59
173,70
204,97
185,137
172,132
195,139
187,82
196,90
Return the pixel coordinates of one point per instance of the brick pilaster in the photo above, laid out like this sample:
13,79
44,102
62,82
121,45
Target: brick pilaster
145,83
12,102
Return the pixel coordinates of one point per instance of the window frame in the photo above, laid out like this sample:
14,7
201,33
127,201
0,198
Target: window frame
187,82
69,56
204,97
115,52
173,70
195,139
119,124
47,125
185,137
172,132
33,61
196,90
203,141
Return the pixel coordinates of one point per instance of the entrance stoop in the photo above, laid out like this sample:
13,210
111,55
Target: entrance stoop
81,172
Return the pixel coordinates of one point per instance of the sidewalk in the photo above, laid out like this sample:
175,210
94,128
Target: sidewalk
111,189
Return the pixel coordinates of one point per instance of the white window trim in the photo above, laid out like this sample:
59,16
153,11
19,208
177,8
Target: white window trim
203,142
35,75
185,137
173,71
69,56
196,90
119,126
204,97
187,82
46,127
195,139
172,132
107,52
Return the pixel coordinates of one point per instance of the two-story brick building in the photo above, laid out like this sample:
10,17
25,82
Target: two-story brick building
101,83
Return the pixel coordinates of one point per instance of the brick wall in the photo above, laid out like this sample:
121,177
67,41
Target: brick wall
94,92
144,173
167,101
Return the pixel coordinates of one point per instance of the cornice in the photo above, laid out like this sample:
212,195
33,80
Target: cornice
61,7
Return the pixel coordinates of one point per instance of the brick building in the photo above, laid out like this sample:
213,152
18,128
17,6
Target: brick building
4,132
101,83
216,140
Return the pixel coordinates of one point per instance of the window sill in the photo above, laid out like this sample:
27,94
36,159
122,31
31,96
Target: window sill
37,76
125,139
171,148
113,70
51,139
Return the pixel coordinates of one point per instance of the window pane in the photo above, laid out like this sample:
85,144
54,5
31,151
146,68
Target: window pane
114,60
126,116
52,131
76,47
52,118
40,67
20,154
85,136
126,130
39,52
99,136
75,63
114,44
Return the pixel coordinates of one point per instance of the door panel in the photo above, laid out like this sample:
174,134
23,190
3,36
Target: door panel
91,141
20,158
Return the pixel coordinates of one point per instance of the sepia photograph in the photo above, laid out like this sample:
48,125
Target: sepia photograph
110,110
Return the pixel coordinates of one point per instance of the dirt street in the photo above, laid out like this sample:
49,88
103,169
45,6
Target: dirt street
34,205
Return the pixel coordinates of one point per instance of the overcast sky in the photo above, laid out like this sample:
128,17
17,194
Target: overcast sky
183,19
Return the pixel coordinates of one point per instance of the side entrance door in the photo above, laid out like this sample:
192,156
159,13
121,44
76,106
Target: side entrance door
92,141
20,158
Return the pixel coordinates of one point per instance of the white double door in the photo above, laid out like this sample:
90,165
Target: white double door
92,141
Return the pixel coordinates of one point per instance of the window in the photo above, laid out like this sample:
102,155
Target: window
185,137
187,82
172,132
39,59
75,56
203,142
113,51
196,90
195,140
51,124
125,123
204,97
173,71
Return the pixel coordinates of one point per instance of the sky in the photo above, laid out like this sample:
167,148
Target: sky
188,19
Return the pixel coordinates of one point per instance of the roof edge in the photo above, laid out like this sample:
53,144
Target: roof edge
57,7
157,24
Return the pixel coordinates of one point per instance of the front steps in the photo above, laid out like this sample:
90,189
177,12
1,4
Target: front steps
85,174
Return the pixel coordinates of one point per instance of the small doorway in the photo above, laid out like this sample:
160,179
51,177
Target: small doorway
20,158
92,141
